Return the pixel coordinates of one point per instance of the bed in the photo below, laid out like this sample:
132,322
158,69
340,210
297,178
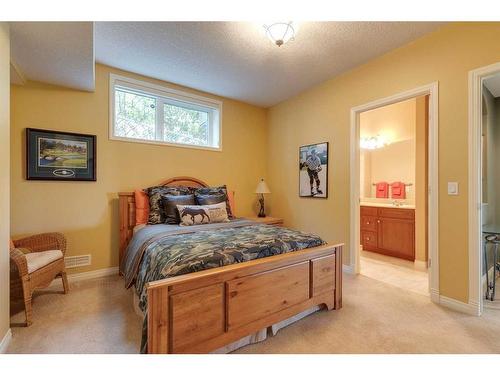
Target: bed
198,306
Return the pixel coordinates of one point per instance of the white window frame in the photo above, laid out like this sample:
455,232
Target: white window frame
167,95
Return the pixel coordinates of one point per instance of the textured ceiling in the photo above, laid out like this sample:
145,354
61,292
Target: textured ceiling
230,59
236,60
61,53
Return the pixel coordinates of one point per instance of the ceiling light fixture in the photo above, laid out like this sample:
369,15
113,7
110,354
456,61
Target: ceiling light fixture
280,32
372,143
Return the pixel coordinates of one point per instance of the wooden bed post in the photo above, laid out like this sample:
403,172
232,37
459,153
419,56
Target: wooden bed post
127,222
158,318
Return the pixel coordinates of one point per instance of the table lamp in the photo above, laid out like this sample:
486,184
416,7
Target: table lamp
262,189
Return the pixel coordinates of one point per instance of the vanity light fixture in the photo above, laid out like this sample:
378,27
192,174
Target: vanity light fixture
280,32
372,143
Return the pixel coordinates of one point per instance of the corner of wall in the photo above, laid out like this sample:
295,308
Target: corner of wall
4,182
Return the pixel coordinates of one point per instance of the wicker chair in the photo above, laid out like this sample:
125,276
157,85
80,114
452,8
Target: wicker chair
35,262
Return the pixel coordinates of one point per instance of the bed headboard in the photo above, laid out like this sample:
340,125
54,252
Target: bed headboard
127,208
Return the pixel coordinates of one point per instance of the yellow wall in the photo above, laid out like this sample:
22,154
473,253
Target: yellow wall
4,176
322,114
87,212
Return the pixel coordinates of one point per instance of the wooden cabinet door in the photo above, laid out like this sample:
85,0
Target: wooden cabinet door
369,240
397,237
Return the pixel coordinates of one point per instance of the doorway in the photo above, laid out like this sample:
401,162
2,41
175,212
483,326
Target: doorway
393,194
484,219
389,230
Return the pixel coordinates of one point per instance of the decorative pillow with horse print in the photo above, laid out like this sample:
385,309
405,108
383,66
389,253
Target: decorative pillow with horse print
170,203
210,213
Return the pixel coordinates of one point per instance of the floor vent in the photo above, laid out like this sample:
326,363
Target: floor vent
77,261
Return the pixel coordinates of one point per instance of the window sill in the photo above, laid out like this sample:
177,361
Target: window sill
158,143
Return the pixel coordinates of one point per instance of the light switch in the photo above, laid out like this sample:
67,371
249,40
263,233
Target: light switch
452,188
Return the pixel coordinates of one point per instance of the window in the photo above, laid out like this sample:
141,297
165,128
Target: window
143,112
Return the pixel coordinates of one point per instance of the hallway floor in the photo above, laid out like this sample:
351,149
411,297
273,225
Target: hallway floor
394,271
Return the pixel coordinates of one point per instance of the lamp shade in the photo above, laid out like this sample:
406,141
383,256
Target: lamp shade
262,188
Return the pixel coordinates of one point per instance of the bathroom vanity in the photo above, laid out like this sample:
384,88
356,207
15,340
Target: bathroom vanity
388,230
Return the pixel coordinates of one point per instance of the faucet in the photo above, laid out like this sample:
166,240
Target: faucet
397,203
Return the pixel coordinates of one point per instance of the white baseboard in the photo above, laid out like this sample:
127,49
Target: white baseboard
476,307
466,308
420,265
434,295
5,341
347,269
75,277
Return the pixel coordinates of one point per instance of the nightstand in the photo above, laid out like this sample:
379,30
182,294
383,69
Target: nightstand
267,220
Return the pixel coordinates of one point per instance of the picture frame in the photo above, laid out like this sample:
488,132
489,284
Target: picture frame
60,156
313,170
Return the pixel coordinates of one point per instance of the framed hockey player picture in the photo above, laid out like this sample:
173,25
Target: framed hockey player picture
313,170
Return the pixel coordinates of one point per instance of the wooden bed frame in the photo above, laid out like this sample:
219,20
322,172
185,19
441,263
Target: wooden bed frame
203,311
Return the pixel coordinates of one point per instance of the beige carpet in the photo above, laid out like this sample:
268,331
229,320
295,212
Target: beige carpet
95,317
98,317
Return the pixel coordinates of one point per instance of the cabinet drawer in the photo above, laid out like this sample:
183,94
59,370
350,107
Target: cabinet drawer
369,240
368,211
397,213
369,223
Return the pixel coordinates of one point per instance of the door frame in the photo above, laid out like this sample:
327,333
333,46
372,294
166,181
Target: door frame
432,90
476,78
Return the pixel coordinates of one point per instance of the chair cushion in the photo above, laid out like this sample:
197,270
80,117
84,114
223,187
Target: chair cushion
41,259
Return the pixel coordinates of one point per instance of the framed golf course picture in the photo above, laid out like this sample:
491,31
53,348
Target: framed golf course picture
55,155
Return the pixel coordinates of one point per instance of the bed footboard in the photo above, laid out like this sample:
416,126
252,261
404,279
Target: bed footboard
203,311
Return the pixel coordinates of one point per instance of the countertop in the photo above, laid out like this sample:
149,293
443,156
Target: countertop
387,205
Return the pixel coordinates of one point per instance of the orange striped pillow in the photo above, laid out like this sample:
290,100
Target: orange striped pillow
141,207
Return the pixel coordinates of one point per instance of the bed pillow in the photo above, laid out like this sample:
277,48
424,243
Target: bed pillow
156,214
170,203
213,195
141,207
195,214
